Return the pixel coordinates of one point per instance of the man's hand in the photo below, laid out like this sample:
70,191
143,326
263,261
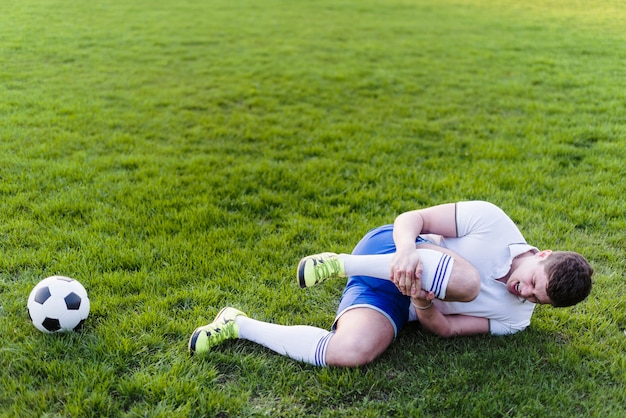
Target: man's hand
406,272
423,300
405,268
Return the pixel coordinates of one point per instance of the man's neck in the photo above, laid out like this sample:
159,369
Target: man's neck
515,264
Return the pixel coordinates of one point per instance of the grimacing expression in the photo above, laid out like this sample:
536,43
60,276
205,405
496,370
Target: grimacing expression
530,280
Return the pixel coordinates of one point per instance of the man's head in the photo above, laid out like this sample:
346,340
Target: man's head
557,278
569,278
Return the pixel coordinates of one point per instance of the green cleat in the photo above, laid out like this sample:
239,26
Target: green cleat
316,268
221,329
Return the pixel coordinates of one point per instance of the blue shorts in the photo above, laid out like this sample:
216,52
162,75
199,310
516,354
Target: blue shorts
381,295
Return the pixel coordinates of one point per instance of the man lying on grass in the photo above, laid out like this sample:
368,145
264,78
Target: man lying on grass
458,268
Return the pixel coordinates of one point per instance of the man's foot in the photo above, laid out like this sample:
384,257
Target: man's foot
221,329
316,268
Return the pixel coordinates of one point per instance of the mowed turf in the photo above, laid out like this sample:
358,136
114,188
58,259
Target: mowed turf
178,157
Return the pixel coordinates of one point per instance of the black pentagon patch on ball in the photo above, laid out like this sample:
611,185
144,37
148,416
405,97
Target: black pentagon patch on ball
42,295
72,301
51,324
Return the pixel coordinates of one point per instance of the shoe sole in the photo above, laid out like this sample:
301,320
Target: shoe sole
191,346
301,273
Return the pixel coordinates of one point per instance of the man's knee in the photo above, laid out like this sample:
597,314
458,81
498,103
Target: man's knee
464,283
351,352
362,335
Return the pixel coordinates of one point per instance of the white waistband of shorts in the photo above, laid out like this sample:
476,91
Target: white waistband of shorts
364,305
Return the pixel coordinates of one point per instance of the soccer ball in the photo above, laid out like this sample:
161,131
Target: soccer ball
58,304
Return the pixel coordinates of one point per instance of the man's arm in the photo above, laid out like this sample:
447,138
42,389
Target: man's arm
405,266
439,220
448,325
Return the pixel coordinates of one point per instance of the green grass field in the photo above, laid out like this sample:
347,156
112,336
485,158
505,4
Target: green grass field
177,157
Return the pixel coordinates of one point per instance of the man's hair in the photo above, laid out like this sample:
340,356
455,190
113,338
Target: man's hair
569,278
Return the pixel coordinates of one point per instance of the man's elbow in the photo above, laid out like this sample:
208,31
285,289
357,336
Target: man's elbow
447,335
443,332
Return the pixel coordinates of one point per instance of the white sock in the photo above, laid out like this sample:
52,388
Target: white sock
299,342
437,267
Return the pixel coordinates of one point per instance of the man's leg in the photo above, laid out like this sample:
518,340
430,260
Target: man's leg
445,273
361,335
299,342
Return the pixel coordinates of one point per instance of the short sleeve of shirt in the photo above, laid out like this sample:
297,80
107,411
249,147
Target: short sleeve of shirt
482,219
502,328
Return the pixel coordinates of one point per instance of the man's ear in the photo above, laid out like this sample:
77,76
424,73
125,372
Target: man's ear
544,254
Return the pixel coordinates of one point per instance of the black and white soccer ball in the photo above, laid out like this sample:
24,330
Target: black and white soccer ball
58,304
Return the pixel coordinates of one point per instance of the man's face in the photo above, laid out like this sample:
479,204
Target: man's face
529,280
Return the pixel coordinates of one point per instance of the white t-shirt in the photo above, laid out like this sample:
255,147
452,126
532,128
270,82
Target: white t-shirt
489,240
